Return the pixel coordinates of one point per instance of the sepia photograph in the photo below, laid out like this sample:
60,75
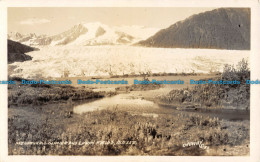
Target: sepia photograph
121,80
129,81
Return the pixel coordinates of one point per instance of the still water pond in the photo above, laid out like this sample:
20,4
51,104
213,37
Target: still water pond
133,103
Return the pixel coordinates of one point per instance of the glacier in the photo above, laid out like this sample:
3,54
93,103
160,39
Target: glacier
84,61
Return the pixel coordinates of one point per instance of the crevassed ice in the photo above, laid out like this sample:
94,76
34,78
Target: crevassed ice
119,60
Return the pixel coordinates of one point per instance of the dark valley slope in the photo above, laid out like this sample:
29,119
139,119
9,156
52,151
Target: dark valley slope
223,28
16,52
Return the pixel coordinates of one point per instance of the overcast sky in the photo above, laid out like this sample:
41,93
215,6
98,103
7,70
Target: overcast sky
53,20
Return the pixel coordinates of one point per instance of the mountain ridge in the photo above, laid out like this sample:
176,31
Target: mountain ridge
16,52
222,28
88,34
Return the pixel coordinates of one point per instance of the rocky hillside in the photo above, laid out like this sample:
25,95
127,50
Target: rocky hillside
16,52
223,28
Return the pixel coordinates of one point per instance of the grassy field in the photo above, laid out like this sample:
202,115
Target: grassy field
104,133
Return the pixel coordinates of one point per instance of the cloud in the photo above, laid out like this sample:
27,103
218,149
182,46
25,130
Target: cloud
34,21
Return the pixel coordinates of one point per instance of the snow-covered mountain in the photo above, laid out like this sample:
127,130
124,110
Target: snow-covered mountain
27,39
88,34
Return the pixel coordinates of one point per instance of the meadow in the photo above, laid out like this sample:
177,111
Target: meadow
115,132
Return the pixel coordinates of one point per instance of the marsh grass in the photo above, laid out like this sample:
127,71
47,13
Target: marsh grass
37,94
164,135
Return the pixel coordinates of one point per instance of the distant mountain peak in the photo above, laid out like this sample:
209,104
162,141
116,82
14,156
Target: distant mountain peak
88,34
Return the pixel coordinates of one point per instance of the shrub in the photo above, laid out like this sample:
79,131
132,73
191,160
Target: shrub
215,95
